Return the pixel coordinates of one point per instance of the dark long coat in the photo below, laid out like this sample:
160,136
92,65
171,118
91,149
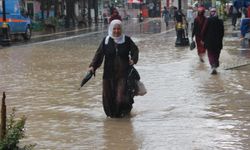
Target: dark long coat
213,33
199,21
116,101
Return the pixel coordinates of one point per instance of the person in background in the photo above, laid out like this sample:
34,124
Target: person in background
166,15
190,18
235,12
213,33
105,18
115,15
179,16
118,52
245,29
111,9
199,22
151,6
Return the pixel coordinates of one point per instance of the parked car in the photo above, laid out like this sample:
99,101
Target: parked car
17,21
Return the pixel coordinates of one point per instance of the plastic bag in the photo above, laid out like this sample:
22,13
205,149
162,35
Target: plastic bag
141,89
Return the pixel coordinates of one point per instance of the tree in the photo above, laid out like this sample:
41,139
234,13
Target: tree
56,8
96,10
70,12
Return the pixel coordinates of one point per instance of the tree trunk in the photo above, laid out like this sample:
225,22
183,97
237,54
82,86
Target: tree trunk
70,13
42,9
48,7
3,118
56,8
96,11
89,12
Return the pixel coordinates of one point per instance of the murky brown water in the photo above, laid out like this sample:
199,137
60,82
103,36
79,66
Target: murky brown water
185,108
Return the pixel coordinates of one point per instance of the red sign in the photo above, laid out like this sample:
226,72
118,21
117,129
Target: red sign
135,1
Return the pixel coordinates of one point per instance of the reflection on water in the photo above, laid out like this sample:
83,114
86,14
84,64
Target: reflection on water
119,134
151,27
185,107
230,108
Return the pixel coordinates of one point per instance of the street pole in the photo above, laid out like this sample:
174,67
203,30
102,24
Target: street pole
178,41
181,37
179,4
4,12
5,37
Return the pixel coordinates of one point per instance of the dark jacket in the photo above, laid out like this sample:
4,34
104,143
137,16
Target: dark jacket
116,64
199,21
179,16
213,33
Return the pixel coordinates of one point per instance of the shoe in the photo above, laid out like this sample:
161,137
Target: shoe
214,71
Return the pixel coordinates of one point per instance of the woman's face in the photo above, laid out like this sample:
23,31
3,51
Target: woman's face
117,31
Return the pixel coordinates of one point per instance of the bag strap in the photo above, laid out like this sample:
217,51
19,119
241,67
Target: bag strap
204,28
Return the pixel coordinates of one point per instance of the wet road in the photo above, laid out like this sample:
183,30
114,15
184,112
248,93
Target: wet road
185,108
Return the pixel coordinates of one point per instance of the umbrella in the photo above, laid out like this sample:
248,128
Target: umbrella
86,78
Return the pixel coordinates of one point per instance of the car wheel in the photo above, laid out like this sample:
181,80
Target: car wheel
27,34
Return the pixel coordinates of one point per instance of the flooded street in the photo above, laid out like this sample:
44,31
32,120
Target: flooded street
185,108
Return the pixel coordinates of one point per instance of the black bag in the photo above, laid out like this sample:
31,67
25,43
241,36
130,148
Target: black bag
132,78
192,45
135,86
133,73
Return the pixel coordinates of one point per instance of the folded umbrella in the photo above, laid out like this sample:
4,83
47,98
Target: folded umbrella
86,78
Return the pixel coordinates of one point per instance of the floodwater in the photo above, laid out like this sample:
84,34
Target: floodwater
185,108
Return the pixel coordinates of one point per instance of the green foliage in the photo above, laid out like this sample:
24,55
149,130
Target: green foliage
14,132
37,26
52,20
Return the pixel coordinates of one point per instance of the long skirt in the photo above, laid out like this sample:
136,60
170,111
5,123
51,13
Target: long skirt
116,99
200,47
213,57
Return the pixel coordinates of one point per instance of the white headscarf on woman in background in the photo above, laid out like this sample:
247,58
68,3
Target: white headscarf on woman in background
118,40
213,12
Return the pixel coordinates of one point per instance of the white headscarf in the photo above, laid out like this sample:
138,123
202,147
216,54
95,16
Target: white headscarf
121,38
213,12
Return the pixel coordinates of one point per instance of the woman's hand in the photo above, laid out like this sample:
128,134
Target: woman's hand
202,42
131,62
91,69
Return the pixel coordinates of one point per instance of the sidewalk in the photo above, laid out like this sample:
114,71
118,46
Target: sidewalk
58,30
93,27
236,46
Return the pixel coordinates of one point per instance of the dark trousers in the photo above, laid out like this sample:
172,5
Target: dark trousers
234,19
213,57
